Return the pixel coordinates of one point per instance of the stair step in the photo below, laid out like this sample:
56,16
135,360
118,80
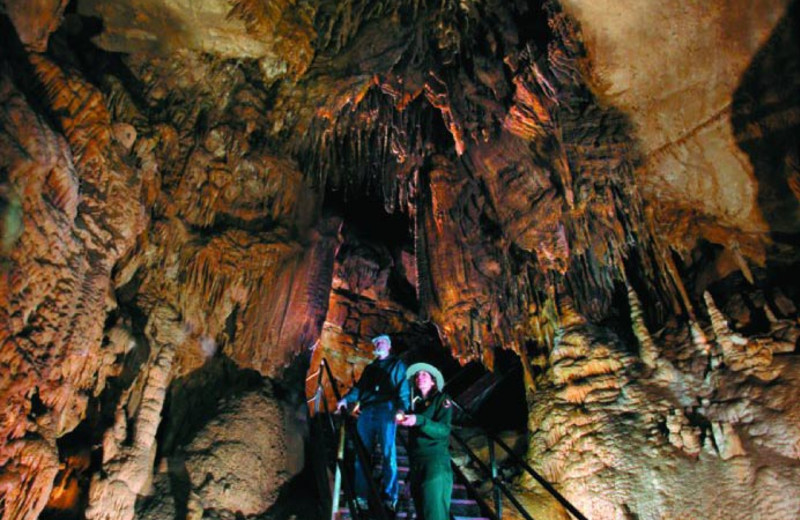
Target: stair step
459,491
458,508
410,516
471,509
462,507
404,514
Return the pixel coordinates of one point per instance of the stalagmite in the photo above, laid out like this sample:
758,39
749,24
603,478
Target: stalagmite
648,350
770,315
682,434
727,441
127,469
730,343
699,338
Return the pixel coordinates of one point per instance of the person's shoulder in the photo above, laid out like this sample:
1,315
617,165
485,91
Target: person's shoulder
445,400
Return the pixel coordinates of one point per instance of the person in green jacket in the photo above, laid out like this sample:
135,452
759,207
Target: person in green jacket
430,474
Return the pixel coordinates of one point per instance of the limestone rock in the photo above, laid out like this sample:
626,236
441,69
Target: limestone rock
180,183
278,33
694,123
35,20
232,469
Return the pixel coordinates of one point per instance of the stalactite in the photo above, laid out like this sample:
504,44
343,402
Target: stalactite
741,262
678,283
562,166
770,314
289,17
425,292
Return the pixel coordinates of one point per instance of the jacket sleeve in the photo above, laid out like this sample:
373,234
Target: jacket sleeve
403,388
352,396
437,427
355,393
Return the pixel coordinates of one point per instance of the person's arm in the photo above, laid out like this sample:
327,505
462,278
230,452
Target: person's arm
354,393
437,427
352,396
402,386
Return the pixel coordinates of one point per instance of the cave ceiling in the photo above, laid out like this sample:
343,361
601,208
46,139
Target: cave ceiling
266,179
558,150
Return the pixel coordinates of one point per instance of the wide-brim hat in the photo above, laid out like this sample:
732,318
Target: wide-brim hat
425,367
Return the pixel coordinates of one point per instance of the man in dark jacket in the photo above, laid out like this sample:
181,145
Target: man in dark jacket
381,391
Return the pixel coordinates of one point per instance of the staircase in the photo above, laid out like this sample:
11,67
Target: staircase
462,506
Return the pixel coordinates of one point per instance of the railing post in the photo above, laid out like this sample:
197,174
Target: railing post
374,495
320,390
521,463
498,499
337,477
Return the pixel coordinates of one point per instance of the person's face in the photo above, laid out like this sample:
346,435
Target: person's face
382,348
424,382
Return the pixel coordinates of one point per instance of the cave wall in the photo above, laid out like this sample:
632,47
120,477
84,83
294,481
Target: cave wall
675,81
79,211
195,197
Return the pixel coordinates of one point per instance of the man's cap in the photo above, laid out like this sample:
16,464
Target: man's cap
425,367
376,339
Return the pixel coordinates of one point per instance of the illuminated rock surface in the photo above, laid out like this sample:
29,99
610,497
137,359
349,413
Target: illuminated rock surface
200,201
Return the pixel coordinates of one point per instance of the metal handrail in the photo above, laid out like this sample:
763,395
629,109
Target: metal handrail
377,507
347,427
492,438
498,502
494,479
339,432
472,491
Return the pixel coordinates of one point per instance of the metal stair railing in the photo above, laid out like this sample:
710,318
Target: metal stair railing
343,478
473,492
320,404
480,388
499,486
346,429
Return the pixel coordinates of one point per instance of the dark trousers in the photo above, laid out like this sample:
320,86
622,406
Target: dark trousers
431,488
376,425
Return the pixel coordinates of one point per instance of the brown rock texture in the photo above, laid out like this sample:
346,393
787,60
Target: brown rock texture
35,20
201,201
230,468
80,208
127,466
692,158
666,434
278,34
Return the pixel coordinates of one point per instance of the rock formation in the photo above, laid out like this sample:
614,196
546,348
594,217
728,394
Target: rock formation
202,201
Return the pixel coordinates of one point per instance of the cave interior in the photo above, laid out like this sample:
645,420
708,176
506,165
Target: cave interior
587,215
